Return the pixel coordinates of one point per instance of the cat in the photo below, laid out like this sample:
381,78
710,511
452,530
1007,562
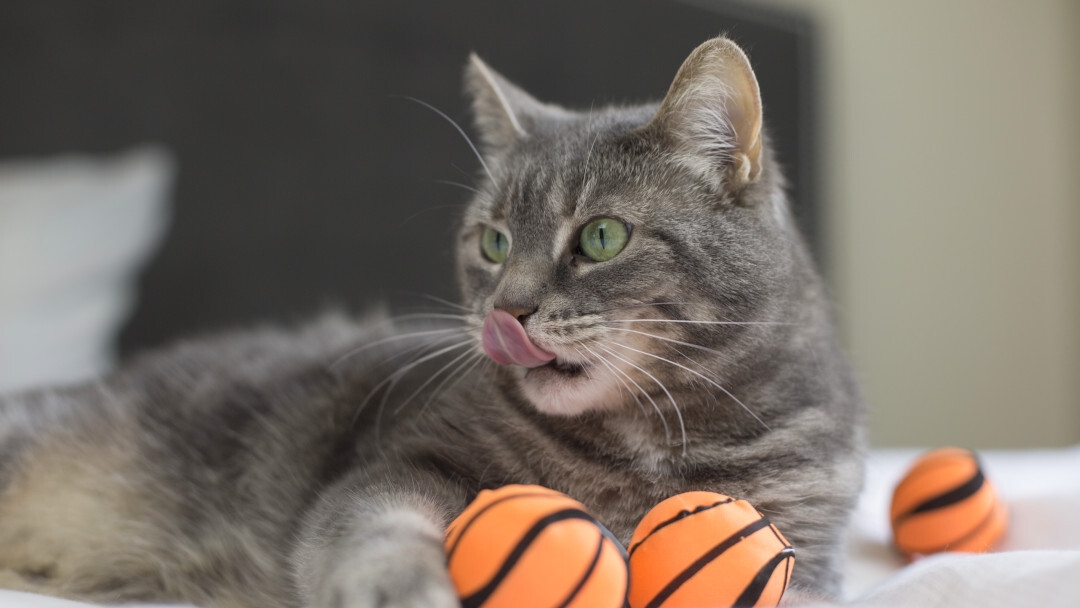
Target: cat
639,318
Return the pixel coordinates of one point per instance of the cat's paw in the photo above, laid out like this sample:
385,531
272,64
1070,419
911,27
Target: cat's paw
404,579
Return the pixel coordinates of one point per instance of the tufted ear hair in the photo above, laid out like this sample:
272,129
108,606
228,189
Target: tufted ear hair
504,113
712,113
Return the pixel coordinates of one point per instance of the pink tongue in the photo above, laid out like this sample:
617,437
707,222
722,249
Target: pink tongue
506,342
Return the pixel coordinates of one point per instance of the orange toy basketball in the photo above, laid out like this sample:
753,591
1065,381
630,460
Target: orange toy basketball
703,549
944,503
531,547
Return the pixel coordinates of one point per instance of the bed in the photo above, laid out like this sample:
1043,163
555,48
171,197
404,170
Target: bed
1037,564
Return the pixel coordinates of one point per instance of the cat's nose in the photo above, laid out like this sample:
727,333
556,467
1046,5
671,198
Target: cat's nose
522,287
519,311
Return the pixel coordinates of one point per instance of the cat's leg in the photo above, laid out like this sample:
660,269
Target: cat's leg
72,521
377,542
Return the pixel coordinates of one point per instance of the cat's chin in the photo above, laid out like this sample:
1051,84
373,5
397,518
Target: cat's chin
566,389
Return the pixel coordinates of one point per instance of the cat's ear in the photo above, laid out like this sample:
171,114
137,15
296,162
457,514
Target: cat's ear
504,113
712,113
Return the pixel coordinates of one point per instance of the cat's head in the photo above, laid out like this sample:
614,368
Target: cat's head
607,252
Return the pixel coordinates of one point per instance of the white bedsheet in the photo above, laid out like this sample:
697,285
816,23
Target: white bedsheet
1038,563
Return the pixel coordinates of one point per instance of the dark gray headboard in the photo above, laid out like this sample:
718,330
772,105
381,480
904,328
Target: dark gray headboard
305,181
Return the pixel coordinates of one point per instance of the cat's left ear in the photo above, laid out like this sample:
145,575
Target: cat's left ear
712,113
505,114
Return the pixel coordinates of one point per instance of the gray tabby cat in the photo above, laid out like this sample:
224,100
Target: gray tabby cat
640,319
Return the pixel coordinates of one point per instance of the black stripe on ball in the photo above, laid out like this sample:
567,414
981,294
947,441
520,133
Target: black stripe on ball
488,507
677,517
956,495
704,560
753,591
585,577
478,598
789,563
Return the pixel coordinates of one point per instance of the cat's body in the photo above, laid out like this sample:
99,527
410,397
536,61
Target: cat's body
316,467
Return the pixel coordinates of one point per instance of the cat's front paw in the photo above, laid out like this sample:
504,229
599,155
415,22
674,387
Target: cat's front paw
403,579
398,590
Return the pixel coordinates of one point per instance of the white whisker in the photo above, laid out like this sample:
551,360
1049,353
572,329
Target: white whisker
672,340
479,157
703,377
584,368
690,321
395,377
439,300
462,371
405,336
641,305
427,346
641,406
423,385
433,315
457,184
456,305
674,404
700,366
592,146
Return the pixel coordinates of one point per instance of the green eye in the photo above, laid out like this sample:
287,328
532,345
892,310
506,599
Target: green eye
603,239
494,245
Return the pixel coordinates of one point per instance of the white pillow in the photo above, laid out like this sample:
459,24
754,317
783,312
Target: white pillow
74,231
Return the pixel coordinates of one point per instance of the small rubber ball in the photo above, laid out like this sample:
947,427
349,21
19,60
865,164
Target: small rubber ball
701,549
945,503
526,546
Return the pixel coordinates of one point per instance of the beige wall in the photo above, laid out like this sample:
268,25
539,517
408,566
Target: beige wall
952,143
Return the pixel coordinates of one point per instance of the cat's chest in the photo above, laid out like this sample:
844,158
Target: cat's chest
619,495
621,501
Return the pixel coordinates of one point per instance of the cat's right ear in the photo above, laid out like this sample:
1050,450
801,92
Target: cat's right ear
712,114
504,113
